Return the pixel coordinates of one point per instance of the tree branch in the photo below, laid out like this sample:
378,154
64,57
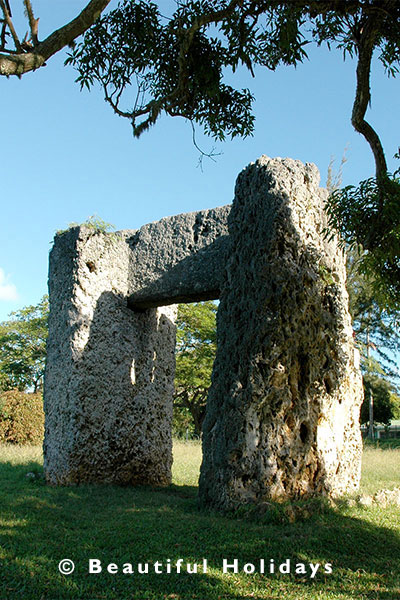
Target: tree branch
10,25
4,27
366,43
3,34
33,23
170,102
21,63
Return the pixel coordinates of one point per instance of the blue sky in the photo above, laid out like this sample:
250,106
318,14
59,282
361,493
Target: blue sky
65,156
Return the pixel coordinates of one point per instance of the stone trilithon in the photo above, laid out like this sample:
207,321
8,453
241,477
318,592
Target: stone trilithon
283,409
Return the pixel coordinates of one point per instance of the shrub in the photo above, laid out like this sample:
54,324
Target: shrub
21,418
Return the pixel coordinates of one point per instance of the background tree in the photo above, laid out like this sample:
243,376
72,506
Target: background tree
384,400
378,339
395,402
23,348
195,353
375,328
21,418
376,331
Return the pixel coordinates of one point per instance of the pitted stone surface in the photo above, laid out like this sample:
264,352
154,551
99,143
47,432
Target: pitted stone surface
283,408
282,414
179,259
109,375
110,370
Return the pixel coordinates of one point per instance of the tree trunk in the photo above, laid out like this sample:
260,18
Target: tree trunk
371,435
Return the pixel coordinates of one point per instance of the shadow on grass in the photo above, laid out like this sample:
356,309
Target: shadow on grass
42,525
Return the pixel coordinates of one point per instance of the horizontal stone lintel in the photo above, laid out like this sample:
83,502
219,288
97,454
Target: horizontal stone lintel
138,305
178,259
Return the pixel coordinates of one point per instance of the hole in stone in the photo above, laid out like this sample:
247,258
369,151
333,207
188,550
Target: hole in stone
281,247
328,385
303,432
316,475
303,373
91,266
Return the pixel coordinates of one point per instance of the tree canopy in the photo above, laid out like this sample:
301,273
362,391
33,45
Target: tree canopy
195,353
377,335
23,348
149,63
376,329
177,64
386,403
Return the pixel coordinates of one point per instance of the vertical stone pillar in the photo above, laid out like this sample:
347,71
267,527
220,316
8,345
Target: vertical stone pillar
110,371
283,410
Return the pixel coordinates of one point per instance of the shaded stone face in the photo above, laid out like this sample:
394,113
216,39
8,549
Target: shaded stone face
178,259
109,373
109,378
282,413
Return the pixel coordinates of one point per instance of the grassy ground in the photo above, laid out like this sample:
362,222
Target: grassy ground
381,466
40,525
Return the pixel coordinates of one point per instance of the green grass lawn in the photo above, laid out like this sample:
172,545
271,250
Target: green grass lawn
40,525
